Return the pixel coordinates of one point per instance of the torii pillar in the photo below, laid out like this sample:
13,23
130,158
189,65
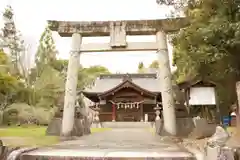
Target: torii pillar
118,30
71,87
169,115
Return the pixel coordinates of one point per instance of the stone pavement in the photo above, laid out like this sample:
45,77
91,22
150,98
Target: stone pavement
116,143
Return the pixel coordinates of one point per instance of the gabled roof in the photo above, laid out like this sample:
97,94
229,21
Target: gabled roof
127,83
106,82
196,82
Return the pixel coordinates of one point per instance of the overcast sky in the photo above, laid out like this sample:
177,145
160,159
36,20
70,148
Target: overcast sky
31,16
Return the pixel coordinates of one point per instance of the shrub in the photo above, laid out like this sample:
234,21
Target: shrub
20,113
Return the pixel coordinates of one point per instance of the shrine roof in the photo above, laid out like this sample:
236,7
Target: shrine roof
107,82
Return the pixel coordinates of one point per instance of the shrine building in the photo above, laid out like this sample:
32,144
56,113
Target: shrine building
125,97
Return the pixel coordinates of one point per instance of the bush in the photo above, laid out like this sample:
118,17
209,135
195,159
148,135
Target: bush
20,113
43,115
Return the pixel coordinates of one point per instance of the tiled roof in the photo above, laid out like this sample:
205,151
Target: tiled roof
106,82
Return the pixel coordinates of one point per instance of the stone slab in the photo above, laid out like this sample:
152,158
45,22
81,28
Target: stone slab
113,154
114,144
103,28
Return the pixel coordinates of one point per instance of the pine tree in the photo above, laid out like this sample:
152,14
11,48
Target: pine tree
11,39
46,53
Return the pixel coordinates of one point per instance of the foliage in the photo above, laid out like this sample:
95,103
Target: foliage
154,64
46,52
141,67
208,48
48,86
12,40
21,113
86,76
9,87
32,94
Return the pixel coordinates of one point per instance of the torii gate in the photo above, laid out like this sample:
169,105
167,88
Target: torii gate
118,30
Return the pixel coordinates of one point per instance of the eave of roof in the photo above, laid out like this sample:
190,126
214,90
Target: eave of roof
127,83
194,82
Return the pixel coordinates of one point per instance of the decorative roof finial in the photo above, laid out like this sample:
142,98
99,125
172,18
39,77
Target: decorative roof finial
127,77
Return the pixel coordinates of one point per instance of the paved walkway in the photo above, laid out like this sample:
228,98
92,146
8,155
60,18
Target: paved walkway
134,143
122,138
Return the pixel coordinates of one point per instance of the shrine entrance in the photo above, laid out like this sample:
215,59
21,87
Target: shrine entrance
118,30
128,112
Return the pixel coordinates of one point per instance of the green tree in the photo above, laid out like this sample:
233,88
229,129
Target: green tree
154,64
12,40
9,85
87,76
208,48
48,87
46,52
141,67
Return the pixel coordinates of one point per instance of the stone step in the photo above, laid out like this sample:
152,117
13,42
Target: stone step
127,124
60,154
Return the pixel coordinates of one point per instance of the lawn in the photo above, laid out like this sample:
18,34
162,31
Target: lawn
31,136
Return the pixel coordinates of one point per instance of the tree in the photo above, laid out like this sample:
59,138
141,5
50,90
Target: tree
12,40
154,64
48,87
46,53
9,85
208,48
141,67
87,76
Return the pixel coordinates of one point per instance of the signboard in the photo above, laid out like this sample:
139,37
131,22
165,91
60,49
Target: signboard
202,96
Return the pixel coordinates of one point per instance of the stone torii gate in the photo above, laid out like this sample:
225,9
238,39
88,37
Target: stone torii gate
118,30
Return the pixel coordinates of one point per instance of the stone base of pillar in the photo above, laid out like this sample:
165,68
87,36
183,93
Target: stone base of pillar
141,120
158,125
80,127
113,120
186,128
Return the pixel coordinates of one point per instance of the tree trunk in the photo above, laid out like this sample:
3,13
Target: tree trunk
1,117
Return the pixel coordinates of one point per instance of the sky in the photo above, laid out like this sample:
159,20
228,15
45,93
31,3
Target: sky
31,18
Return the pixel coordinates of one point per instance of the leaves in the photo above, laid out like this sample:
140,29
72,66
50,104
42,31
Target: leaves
209,47
209,39
154,64
46,52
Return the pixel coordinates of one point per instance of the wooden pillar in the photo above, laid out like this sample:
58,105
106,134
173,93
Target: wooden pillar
141,112
113,112
169,115
71,87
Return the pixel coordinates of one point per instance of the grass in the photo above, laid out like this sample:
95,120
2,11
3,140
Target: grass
95,130
31,136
